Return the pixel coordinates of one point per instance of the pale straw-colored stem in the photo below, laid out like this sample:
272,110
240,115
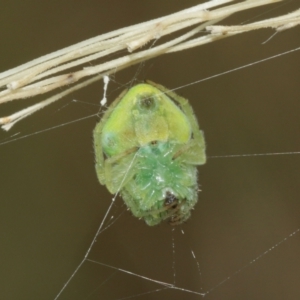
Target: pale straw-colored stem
39,76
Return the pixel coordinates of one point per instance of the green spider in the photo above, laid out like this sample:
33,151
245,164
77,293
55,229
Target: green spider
148,145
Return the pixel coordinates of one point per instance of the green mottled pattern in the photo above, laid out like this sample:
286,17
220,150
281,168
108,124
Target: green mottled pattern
157,174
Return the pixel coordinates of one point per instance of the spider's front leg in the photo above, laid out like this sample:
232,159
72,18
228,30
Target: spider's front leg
97,135
119,169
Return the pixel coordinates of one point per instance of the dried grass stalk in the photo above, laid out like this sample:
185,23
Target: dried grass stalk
50,72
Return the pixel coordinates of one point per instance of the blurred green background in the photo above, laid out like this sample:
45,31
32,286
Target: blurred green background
52,204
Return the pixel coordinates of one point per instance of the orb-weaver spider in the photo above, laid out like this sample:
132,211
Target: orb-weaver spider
148,145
